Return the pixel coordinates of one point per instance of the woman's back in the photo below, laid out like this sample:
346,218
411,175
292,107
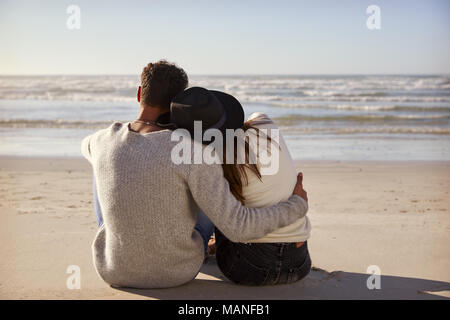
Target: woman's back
274,188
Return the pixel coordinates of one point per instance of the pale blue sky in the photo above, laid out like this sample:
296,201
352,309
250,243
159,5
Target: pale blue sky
225,37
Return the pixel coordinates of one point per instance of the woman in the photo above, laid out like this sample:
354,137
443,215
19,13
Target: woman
279,257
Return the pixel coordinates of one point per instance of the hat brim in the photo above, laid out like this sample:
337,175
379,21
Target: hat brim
233,109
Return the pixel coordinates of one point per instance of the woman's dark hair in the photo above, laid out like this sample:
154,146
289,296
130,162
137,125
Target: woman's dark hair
235,172
161,82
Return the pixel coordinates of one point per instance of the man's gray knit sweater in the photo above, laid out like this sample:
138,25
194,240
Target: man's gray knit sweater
150,207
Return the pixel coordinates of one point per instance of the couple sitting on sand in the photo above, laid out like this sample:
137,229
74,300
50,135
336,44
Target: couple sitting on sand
157,216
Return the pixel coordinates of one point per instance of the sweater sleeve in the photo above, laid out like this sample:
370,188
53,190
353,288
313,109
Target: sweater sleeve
238,223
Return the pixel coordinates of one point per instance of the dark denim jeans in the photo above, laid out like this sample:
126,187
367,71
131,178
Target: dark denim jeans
258,264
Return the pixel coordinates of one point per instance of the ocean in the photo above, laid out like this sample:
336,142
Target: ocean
335,117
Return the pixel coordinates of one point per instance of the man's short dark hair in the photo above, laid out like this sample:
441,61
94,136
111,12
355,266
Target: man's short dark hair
161,82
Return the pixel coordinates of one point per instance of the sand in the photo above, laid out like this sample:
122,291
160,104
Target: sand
394,215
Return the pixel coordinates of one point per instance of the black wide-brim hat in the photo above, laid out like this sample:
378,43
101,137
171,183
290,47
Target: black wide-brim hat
215,109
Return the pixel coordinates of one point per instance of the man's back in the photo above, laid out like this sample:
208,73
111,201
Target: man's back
137,196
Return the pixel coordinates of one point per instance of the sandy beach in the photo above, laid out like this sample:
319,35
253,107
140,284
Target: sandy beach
394,215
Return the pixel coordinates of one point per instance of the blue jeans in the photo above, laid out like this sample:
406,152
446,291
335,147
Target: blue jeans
97,209
204,226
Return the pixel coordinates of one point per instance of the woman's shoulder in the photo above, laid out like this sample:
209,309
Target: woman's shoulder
262,123
259,118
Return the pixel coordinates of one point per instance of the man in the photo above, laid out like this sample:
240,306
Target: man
148,237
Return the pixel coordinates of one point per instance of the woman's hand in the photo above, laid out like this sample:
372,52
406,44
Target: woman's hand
298,189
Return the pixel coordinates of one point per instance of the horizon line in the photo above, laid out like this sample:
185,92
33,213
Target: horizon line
230,74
